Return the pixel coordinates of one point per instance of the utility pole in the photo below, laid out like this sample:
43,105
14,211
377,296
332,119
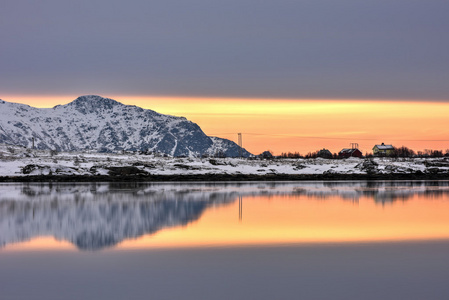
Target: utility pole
240,144
33,143
354,145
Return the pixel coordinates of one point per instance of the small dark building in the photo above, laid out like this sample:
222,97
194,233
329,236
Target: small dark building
266,155
324,153
354,152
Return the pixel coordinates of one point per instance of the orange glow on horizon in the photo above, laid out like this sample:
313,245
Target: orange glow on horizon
299,125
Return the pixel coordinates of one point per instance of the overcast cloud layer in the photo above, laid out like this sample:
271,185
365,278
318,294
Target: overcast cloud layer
232,48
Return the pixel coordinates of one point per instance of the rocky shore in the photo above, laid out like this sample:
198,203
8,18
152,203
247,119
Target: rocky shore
225,177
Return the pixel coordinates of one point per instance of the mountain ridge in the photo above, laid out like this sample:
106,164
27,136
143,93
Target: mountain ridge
92,122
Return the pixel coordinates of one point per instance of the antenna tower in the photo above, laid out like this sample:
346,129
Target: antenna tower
240,144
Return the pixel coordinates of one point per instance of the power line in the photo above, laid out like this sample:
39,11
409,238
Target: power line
328,138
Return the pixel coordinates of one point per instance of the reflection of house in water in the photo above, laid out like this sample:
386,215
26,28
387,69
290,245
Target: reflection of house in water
379,191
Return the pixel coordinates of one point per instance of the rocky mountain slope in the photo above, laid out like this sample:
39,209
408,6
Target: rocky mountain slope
105,125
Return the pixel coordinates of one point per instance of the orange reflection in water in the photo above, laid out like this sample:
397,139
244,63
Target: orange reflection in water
302,219
43,243
289,220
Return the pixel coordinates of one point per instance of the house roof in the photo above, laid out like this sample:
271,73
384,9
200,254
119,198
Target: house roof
349,150
384,147
324,151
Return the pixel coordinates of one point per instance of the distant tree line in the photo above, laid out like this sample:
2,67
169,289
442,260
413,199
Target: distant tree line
402,152
314,154
291,155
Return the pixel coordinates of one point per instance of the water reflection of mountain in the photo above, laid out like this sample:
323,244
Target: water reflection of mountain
95,216
98,215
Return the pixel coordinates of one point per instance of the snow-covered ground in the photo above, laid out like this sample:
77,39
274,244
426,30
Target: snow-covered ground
16,161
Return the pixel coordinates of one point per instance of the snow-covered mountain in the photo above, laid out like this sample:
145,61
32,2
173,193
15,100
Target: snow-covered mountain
105,125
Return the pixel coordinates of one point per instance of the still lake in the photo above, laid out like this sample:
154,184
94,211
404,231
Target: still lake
255,240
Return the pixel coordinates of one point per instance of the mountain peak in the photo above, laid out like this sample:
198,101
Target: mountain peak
90,103
92,98
92,122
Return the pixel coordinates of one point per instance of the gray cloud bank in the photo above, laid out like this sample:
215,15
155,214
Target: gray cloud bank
387,49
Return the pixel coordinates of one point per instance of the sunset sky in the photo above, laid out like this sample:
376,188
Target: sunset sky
289,75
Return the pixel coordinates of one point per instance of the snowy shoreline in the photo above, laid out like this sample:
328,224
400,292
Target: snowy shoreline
225,178
21,164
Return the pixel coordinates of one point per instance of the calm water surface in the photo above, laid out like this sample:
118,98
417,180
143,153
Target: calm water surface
307,240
